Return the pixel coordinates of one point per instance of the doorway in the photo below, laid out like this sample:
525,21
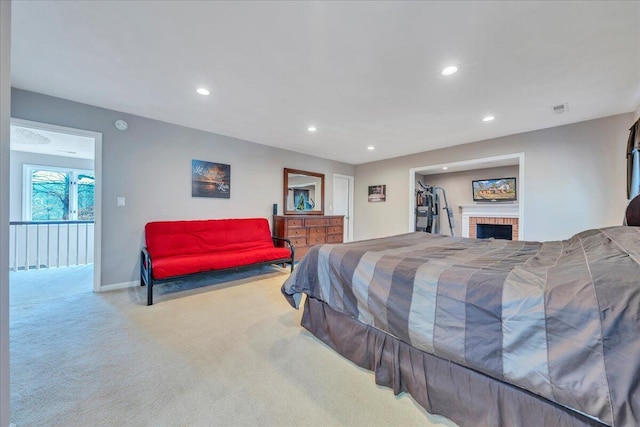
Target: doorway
55,197
514,159
343,203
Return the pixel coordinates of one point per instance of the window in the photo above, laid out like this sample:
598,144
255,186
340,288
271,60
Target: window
53,194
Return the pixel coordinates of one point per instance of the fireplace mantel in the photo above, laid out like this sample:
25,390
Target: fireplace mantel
509,211
506,210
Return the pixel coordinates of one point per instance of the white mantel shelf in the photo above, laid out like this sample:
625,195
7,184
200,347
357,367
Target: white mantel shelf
497,210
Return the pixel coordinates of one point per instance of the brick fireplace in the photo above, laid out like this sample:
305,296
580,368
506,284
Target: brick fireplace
474,221
497,214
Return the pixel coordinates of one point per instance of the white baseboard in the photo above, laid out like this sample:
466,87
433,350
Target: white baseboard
114,286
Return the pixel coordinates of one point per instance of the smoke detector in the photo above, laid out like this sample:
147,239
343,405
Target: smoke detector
557,109
121,125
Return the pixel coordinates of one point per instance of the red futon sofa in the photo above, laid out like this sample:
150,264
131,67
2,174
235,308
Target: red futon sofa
179,248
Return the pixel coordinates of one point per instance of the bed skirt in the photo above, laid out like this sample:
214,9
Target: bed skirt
467,397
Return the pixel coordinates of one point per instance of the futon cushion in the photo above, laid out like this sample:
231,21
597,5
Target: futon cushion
181,238
178,248
187,264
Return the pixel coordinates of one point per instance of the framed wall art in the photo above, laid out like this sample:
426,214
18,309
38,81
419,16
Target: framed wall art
377,193
210,179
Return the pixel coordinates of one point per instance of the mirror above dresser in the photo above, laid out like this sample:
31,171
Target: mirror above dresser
303,192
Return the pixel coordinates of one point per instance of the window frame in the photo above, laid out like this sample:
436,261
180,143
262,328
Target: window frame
27,189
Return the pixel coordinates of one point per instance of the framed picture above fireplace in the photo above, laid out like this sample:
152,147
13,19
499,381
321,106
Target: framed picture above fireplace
494,190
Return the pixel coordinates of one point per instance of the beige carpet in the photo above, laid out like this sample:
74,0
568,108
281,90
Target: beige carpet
230,354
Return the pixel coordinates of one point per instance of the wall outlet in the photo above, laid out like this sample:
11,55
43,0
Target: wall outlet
120,201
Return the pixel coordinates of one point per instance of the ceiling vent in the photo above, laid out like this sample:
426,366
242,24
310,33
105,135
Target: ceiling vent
560,108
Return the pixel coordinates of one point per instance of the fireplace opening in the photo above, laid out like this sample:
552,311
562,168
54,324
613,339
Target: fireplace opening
497,231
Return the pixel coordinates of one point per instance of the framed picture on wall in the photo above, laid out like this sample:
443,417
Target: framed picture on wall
377,193
210,179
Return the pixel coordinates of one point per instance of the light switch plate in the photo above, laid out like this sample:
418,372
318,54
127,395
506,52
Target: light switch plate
120,201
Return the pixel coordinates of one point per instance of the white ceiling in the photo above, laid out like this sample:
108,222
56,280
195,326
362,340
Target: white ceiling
33,140
364,73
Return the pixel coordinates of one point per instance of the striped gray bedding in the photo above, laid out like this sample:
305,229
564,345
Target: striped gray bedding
560,319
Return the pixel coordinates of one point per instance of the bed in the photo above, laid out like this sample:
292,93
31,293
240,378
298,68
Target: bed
487,332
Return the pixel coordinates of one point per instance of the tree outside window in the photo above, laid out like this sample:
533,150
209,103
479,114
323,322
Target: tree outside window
86,187
58,194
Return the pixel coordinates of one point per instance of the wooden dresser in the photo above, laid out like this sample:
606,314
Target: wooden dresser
305,231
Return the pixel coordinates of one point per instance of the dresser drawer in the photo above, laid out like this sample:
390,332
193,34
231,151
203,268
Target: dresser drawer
294,222
298,241
317,231
334,238
296,232
335,221
314,222
334,230
317,239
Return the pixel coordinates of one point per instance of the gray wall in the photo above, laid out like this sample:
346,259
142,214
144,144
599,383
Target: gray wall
21,158
574,179
150,165
5,109
458,189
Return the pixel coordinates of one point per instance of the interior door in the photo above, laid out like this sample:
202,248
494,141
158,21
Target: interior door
343,203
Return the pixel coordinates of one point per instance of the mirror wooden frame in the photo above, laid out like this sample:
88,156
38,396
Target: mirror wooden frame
320,200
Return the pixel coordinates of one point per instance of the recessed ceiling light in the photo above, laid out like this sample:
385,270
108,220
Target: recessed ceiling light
312,129
488,119
202,91
449,70
371,148
445,167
